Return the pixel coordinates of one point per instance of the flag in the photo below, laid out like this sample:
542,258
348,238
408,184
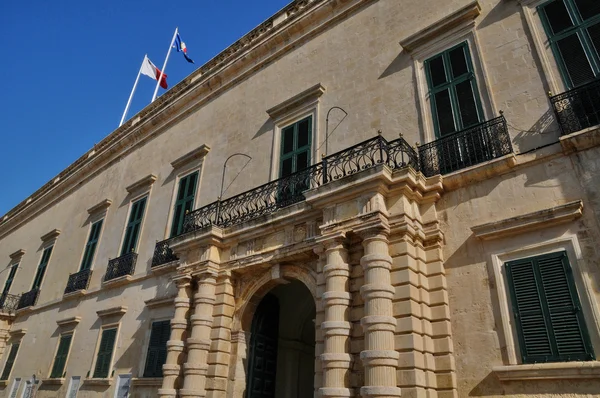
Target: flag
181,48
150,70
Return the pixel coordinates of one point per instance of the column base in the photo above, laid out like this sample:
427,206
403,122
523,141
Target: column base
377,391
335,392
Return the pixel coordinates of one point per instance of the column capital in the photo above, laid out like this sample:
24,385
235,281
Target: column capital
380,231
182,281
202,275
330,241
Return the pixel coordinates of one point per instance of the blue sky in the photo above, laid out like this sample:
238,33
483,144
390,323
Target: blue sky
69,66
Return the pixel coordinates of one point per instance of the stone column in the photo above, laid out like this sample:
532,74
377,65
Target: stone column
380,360
336,359
179,323
219,356
198,344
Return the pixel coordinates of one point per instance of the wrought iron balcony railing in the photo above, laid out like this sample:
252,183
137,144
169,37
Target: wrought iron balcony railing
477,144
121,266
8,303
28,299
163,253
274,195
579,108
78,281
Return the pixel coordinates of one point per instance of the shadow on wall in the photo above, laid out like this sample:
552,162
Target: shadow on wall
401,62
543,132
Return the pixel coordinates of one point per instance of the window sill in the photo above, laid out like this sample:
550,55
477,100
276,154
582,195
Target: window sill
3,383
122,280
147,381
164,268
549,371
57,382
97,382
75,294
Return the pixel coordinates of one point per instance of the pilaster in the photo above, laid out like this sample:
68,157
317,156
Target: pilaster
179,323
336,360
380,360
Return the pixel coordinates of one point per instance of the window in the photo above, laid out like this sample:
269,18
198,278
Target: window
60,361
105,351
90,246
546,310
9,279
133,226
41,270
295,147
453,94
184,203
157,348
573,29
10,361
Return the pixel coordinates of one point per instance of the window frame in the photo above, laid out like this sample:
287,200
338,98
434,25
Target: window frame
295,150
117,327
147,345
12,366
450,85
14,266
146,197
578,28
45,269
176,201
72,335
85,247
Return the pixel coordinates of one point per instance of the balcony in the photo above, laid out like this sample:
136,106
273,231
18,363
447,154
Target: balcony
162,254
78,281
28,299
272,196
579,108
477,144
120,266
8,303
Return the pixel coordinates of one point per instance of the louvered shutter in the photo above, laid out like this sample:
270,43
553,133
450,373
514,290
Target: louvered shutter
157,349
133,226
41,270
61,356
547,311
184,203
107,343
90,247
9,279
10,361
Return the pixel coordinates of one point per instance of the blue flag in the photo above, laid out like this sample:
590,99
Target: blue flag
182,48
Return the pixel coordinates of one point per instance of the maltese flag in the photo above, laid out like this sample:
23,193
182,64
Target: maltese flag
150,70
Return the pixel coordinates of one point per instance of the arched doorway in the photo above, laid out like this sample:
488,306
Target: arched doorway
281,354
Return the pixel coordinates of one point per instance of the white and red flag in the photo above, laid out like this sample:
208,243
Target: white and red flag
150,70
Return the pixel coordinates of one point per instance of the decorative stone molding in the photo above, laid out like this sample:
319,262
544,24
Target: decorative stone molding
309,95
147,381
17,255
122,280
530,221
194,154
18,333
50,235
100,206
97,382
160,302
114,311
142,183
460,17
55,382
479,172
69,322
549,371
581,140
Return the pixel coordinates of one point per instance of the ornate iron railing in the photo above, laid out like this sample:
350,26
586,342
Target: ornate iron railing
477,144
78,281
578,108
163,253
28,299
9,303
121,266
274,195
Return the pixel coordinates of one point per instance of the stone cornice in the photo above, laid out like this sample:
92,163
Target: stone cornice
189,157
50,235
530,221
101,206
120,310
160,302
233,65
18,333
69,322
309,95
142,183
17,255
438,28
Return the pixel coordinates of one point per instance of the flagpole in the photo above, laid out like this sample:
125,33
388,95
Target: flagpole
162,71
132,91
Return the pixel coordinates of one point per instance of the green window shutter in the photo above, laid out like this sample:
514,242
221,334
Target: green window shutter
90,247
41,270
107,344
454,98
10,361
185,202
573,29
547,311
60,360
133,226
295,147
10,278
157,349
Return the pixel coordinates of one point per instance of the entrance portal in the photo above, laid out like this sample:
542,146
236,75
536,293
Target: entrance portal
281,355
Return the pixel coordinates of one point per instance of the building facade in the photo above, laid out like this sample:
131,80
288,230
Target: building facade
372,198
